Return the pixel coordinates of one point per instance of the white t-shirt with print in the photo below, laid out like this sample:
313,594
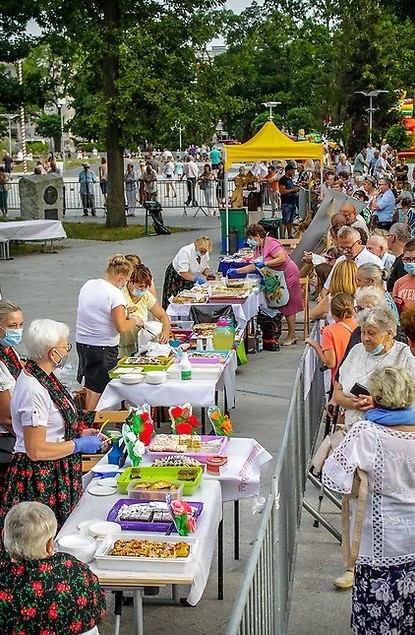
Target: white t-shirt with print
94,324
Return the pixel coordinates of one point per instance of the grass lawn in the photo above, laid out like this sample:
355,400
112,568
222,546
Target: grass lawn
95,231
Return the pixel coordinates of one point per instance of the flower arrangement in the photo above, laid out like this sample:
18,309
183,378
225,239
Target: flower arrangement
221,423
182,419
137,432
182,517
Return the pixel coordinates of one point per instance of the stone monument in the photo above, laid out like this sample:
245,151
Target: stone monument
41,197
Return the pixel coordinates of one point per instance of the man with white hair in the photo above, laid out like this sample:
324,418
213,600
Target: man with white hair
353,219
378,245
350,241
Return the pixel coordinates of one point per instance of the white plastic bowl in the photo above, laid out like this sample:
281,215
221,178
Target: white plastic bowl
131,378
156,377
79,545
103,528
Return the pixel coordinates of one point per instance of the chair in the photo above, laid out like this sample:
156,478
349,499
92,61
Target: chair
304,284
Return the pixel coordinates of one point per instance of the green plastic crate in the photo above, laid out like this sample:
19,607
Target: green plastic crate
153,474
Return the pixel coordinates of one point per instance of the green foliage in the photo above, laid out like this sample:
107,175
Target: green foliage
37,147
298,118
50,126
398,138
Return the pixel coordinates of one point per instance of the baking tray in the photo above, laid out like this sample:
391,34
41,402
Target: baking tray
139,525
196,455
151,474
147,565
145,367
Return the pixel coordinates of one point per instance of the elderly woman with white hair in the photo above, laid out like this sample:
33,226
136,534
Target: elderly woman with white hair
370,275
383,445
377,350
42,591
50,432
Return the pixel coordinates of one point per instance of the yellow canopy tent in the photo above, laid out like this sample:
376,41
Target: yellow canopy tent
270,143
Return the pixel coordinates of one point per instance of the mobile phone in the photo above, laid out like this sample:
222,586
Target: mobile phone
358,390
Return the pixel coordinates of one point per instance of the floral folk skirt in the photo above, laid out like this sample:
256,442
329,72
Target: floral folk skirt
384,600
173,284
57,484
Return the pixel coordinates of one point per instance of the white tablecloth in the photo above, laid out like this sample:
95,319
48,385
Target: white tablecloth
243,312
32,230
209,493
198,392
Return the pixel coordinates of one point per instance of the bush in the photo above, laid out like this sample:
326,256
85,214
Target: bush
87,146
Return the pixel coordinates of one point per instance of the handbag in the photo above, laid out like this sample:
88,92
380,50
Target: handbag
275,287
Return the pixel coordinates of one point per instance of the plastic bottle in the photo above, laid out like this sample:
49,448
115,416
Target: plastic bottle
115,453
224,334
259,339
185,367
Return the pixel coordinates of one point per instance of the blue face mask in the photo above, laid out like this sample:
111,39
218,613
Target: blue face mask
410,268
12,337
251,243
139,292
377,351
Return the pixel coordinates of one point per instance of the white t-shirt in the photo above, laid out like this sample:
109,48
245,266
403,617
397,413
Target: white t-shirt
185,261
31,405
361,259
7,382
94,324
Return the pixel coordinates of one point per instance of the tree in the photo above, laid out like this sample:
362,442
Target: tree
50,126
398,137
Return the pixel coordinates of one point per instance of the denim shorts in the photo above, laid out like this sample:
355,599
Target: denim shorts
94,362
288,211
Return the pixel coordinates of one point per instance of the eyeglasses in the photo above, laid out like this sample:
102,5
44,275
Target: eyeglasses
351,246
67,348
359,308
408,260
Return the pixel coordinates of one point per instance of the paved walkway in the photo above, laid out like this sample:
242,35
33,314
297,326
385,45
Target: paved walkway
47,285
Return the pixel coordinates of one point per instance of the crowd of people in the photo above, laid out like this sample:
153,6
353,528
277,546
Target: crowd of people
365,288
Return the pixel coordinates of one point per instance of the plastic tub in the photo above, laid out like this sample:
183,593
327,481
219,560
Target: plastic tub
144,493
152,474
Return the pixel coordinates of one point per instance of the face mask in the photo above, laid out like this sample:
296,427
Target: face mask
376,351
252,243
199,255
410,268
12,337
62,359
139,292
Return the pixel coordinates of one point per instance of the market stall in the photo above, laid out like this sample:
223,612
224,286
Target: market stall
268,144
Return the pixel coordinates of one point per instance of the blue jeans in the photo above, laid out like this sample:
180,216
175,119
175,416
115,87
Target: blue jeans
288,212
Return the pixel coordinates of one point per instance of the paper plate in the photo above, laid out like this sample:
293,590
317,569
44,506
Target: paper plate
97,490
104,528
104,468
110,481
84,524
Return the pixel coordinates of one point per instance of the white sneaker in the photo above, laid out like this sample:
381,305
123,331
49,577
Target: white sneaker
344,581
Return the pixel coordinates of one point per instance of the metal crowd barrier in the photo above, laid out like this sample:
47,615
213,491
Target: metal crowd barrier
263,602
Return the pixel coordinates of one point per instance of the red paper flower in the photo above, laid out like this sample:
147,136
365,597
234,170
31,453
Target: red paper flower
193,421
147,433
145,417
184,428
176,412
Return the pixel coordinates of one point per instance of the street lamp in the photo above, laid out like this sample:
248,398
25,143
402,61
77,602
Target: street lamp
61,104
371,94
178,125
10,119
270,105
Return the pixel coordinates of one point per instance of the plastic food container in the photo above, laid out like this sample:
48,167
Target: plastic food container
143,493
152,474
217,443
79,545
149,565
216,465
136,524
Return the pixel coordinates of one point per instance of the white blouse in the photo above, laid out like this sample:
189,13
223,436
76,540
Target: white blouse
7,382
185,261
359,366
388,456
31,405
